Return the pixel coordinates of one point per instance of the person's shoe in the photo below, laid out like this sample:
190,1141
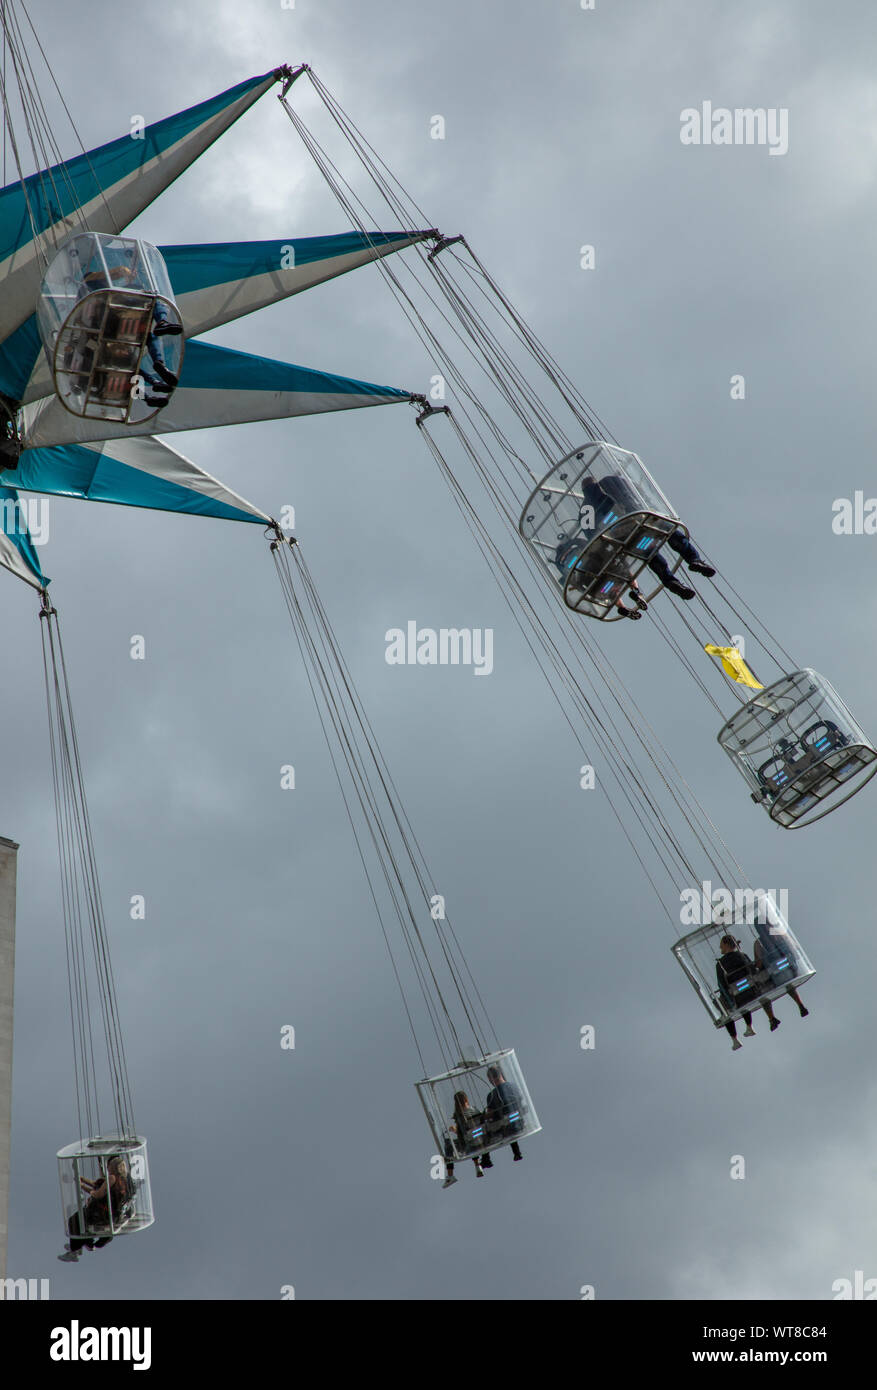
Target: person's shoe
167,376
632,613
736,1044
487,1162
516,1158
775,1023
804,1013
638,600
159,401
680,590
749,1033
167,329
448,1182
701,567
69,1257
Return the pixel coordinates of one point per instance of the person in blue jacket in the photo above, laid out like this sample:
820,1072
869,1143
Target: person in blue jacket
613,497
503,1112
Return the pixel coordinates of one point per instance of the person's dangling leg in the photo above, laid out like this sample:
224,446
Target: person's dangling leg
516,1150
683,546
162,325
790,989
153,347
76,1241
636,594
768,1009
627,612
749,1031
658,565
732,1029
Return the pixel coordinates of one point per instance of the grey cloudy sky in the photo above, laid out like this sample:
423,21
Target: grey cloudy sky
311,1167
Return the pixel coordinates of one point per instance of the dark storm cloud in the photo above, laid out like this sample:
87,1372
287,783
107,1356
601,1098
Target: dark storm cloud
312,1167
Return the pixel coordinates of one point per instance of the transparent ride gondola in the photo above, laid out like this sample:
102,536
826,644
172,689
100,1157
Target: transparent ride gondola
499,1111
101,301
114,1164
595,521
799,749
775,961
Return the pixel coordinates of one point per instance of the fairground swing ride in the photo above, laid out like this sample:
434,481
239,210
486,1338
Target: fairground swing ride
581,519
99,348
600,532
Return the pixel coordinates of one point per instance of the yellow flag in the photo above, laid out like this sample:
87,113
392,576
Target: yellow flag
734,666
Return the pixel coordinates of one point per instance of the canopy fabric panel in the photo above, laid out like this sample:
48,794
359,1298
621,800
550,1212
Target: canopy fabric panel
217,283
104,189
139,472
218,386
17,551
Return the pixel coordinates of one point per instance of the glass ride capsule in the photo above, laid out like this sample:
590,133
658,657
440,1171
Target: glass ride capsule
109,325
478,1106
768,961
595,521
799,749
105,1187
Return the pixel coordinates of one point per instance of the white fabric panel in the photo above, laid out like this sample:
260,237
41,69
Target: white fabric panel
217,304
11,560
21,273
152,456
46,423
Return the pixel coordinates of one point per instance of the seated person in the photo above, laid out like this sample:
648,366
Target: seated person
106,1196
774,955
583,561
503,1112
161,380
468,1126
612,498
734,972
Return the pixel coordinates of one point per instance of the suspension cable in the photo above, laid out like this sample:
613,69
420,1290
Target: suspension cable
91,984
51,176
455,286
381,822
603,726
